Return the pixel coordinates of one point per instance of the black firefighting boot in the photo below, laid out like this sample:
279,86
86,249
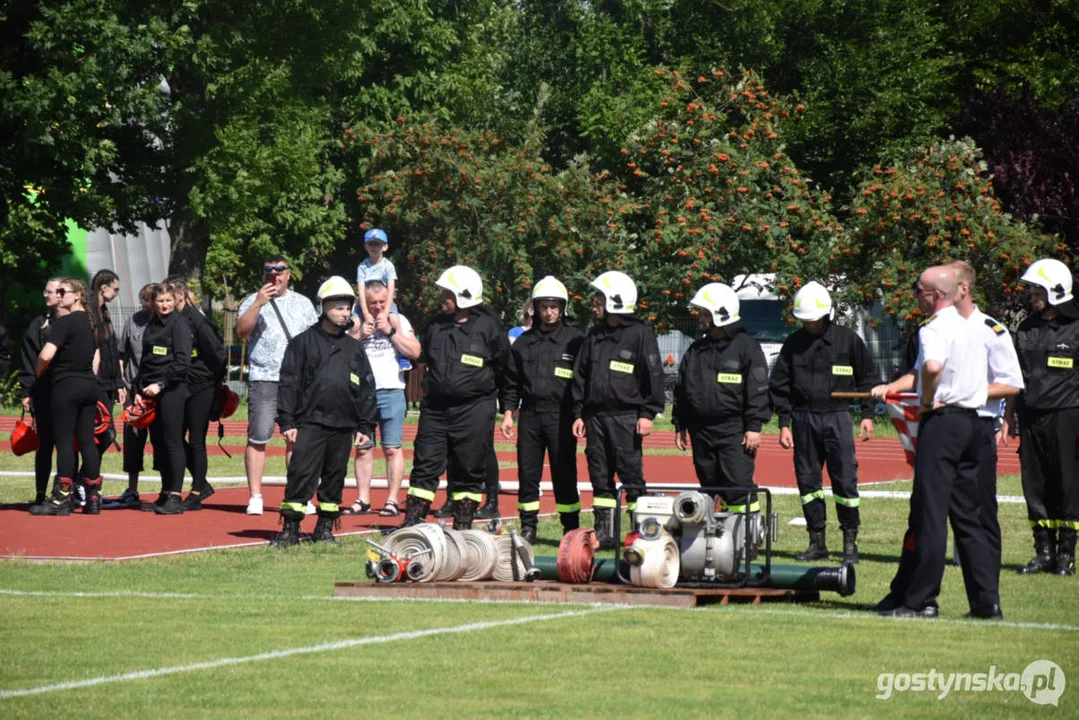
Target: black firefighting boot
59,503
529,520
447,510
817,549
1044,551
850,545
489,510
93,497
604,527
290,532
570,521
324,528
1066,552
416,510
466,513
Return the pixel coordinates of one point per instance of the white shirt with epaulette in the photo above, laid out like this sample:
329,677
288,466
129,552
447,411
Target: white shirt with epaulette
1002,358
960,348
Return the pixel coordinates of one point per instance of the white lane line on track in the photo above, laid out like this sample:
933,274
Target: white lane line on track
312,649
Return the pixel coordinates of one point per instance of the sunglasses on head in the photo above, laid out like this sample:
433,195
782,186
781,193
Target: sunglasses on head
275,268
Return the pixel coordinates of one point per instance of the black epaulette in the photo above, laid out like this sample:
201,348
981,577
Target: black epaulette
995,326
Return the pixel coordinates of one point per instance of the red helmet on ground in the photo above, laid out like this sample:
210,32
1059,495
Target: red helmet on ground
24,438
141,413
228,400
102,418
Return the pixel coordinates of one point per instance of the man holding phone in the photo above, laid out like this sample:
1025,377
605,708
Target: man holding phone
268,320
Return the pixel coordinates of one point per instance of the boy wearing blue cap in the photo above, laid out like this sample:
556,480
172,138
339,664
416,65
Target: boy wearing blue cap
376,266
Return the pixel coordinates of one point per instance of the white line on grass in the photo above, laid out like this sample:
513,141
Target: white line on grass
321,648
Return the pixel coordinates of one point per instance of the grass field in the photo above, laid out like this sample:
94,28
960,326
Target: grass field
256,632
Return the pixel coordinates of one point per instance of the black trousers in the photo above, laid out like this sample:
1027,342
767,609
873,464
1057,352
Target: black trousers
196,423
319,462
826,439
1049,457
547,433
946,486
42,397
720,460
461,434
987,486
614,447
134,448
167,432
74,402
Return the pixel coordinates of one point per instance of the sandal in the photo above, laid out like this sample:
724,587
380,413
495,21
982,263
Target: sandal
358,508
391,509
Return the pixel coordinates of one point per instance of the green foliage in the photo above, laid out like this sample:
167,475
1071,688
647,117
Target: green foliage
719,196
449,196
935,207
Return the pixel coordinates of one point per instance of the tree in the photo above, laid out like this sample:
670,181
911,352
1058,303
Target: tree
938,206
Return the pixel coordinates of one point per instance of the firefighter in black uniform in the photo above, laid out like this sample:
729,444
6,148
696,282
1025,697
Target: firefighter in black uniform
466,350
539,377
816,361
953,383
325,404
1048,346
722,398
36,392
617,392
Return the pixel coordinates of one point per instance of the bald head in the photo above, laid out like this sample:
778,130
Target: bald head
941,279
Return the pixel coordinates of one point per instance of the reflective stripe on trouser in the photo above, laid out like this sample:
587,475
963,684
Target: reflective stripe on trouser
720,460
319,462
822,440
1049,457
475,497
550,433
614,447
945,488
458,436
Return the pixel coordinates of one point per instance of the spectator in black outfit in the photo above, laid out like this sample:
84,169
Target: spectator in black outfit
166,357
208,365
130,357
5,352
69,360
36,395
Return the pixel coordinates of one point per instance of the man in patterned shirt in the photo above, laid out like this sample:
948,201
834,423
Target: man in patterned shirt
268,319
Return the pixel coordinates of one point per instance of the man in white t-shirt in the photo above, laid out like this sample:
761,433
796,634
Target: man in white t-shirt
267,320
388,336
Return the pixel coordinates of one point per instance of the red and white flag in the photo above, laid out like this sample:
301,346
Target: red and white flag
903,411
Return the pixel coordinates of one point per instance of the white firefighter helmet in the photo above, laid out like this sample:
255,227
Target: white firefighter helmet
719,300
550,288
336,287
619,291
464,283
813,302
1052,275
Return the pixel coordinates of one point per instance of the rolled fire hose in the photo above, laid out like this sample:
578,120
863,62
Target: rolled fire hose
412,540
509,567
604,568
577,556
653,562
453,564
480,556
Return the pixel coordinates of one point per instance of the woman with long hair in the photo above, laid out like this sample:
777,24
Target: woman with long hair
69,361
166,357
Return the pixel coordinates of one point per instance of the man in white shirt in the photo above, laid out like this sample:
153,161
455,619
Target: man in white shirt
388,335
268,319
953,383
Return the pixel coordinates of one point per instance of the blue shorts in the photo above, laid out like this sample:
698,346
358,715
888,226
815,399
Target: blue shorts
391,418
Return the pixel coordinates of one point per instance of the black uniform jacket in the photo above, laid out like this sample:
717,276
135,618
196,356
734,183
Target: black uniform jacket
811,367
723,383
32,342
1049,357
208,360
326,381
618,371
166,352
465,361
541,369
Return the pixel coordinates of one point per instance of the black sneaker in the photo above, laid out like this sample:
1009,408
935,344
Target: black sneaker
489,511
193,502
173,505
153,506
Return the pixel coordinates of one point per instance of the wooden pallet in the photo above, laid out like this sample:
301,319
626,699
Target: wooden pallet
556,592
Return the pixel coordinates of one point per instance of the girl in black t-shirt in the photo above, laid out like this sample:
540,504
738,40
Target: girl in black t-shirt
69,361
166,358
